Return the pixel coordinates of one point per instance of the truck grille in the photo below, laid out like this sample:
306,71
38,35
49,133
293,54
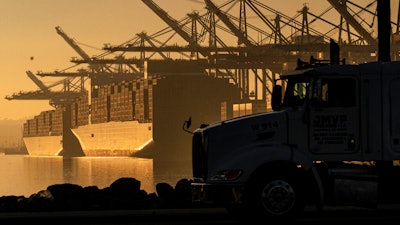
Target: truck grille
199,156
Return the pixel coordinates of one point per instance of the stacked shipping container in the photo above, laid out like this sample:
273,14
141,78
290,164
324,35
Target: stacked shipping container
125,101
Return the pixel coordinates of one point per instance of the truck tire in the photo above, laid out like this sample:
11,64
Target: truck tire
273,196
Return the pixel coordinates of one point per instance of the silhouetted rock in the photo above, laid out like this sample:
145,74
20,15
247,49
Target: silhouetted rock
166,195
68,196
12,203
41,201
125,186
124,193
93,196
183,193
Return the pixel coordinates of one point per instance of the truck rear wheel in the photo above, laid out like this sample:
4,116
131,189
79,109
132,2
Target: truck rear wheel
273,196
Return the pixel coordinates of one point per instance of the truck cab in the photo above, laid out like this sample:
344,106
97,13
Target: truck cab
332,139
323,105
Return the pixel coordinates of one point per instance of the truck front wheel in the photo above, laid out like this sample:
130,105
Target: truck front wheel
273,196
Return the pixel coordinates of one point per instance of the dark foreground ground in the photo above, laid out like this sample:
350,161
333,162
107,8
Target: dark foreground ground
330,216
123,202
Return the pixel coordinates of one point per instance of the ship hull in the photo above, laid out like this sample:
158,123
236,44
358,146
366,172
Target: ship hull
43,145
105,139
114,138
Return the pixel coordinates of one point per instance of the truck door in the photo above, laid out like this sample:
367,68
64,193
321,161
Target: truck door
333,118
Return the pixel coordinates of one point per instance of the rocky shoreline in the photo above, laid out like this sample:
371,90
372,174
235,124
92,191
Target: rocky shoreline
124,193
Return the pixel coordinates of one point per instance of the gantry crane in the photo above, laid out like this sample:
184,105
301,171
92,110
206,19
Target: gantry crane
191,37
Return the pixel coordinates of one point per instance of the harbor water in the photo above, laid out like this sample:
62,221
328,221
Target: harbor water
24,175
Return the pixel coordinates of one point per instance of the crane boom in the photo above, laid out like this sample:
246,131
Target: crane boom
72,43
174,24
342,10
78,49
239,34
38,82
266,21
170,21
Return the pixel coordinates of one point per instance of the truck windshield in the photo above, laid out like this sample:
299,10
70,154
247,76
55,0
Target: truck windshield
296,92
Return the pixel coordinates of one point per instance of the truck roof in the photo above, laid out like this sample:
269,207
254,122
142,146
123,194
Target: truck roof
347,69
325,69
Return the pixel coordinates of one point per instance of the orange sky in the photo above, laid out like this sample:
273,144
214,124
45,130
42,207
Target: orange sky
28,30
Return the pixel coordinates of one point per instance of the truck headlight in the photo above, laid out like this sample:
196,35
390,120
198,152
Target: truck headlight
226,175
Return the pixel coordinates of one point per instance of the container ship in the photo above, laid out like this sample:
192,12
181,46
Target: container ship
140,116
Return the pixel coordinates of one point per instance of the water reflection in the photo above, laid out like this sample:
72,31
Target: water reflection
26,175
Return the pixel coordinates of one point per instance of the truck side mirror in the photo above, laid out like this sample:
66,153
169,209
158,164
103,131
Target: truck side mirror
187,124
276,98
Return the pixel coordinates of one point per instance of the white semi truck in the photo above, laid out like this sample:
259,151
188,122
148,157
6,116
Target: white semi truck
333,139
